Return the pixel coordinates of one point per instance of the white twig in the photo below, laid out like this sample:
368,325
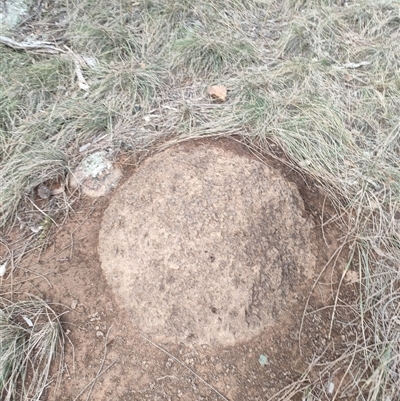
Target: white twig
42,47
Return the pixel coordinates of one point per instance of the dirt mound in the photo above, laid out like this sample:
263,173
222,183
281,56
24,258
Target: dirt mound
206,246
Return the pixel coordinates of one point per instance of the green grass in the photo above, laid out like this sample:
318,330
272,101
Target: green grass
318,78
209,53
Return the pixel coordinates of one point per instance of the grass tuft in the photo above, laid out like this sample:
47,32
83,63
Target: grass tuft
201,53
129,84
30,340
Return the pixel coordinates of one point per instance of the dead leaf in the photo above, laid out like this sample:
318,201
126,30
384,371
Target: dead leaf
3,269
28,321
57,189
217,92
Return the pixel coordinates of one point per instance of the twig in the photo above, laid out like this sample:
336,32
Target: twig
42,47
102,363
78,60
322,222
186,367
93,380
335,304
294,388
344,376
46,47
99,372
334,256
41,211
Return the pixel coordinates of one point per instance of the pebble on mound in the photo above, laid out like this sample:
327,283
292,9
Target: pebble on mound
205,245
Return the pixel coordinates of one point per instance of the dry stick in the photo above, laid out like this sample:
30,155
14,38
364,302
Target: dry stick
78,71
18,283
344,358
22,251
338,251
292,389
335,305
325,308
335,254
41,211
186,367
93,380
70,246
42,47
71,251
45,47
87,216
344,376
12,276
322,222
102,362
99,372
341,282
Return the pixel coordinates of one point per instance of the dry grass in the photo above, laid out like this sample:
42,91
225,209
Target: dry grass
31,338
319,78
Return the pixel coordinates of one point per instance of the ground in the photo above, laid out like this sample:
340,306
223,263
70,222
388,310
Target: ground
103,341
317,79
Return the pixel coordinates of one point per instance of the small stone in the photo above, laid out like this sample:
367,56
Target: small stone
74,304
263,360
217,92
12,13
99,334
95,317
43,191
96,175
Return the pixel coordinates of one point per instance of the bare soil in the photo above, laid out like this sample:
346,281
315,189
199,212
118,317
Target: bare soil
205,246
133,362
